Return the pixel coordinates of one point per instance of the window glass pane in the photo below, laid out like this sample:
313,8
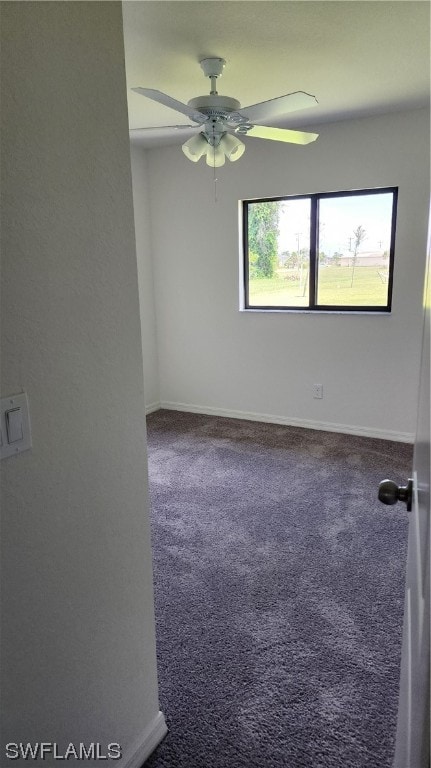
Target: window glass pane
279,253
354,245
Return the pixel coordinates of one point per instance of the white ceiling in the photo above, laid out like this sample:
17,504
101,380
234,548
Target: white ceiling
358,57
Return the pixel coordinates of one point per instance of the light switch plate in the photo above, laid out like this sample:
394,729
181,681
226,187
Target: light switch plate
13,404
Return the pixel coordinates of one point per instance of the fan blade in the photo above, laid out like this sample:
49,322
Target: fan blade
278,107
168,101
164,127
281,134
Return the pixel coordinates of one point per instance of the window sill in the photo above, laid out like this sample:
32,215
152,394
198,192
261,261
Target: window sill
383,313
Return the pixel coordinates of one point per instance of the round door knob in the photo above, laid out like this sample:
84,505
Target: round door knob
390,493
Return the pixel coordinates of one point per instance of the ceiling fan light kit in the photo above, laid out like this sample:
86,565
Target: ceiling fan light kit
195,147
215,157
232,147
221,119
228,146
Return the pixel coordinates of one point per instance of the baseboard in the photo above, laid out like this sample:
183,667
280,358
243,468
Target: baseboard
152,407
146,744
325,426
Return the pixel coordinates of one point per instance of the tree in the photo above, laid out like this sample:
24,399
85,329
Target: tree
263,237
284,258
252,264
323,258
336,258
360,235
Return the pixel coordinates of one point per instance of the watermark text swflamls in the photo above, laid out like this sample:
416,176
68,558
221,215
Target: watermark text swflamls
44,749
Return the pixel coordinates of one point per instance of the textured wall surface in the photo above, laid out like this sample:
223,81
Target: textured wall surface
78,627
218,359
142,205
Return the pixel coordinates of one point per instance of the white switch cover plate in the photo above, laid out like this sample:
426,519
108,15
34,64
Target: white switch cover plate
317,391
14,421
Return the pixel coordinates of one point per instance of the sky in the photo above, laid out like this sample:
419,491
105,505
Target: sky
339,217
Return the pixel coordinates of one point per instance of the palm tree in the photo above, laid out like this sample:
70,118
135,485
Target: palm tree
360,235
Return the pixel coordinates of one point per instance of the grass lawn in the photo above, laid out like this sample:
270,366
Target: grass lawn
285,289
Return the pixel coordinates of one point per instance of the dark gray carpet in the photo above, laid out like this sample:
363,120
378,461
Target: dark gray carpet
279,587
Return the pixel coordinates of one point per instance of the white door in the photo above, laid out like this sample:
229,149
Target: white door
413,729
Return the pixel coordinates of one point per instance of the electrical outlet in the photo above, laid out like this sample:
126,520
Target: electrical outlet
318,391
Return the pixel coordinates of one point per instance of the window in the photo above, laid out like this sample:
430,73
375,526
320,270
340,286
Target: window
327,251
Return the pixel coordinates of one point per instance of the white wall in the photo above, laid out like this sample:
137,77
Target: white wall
141,199
213,358
78,644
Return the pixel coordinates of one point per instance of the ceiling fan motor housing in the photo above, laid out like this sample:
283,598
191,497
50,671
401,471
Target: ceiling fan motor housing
215,106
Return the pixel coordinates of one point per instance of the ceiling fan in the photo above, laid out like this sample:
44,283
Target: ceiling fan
221,119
